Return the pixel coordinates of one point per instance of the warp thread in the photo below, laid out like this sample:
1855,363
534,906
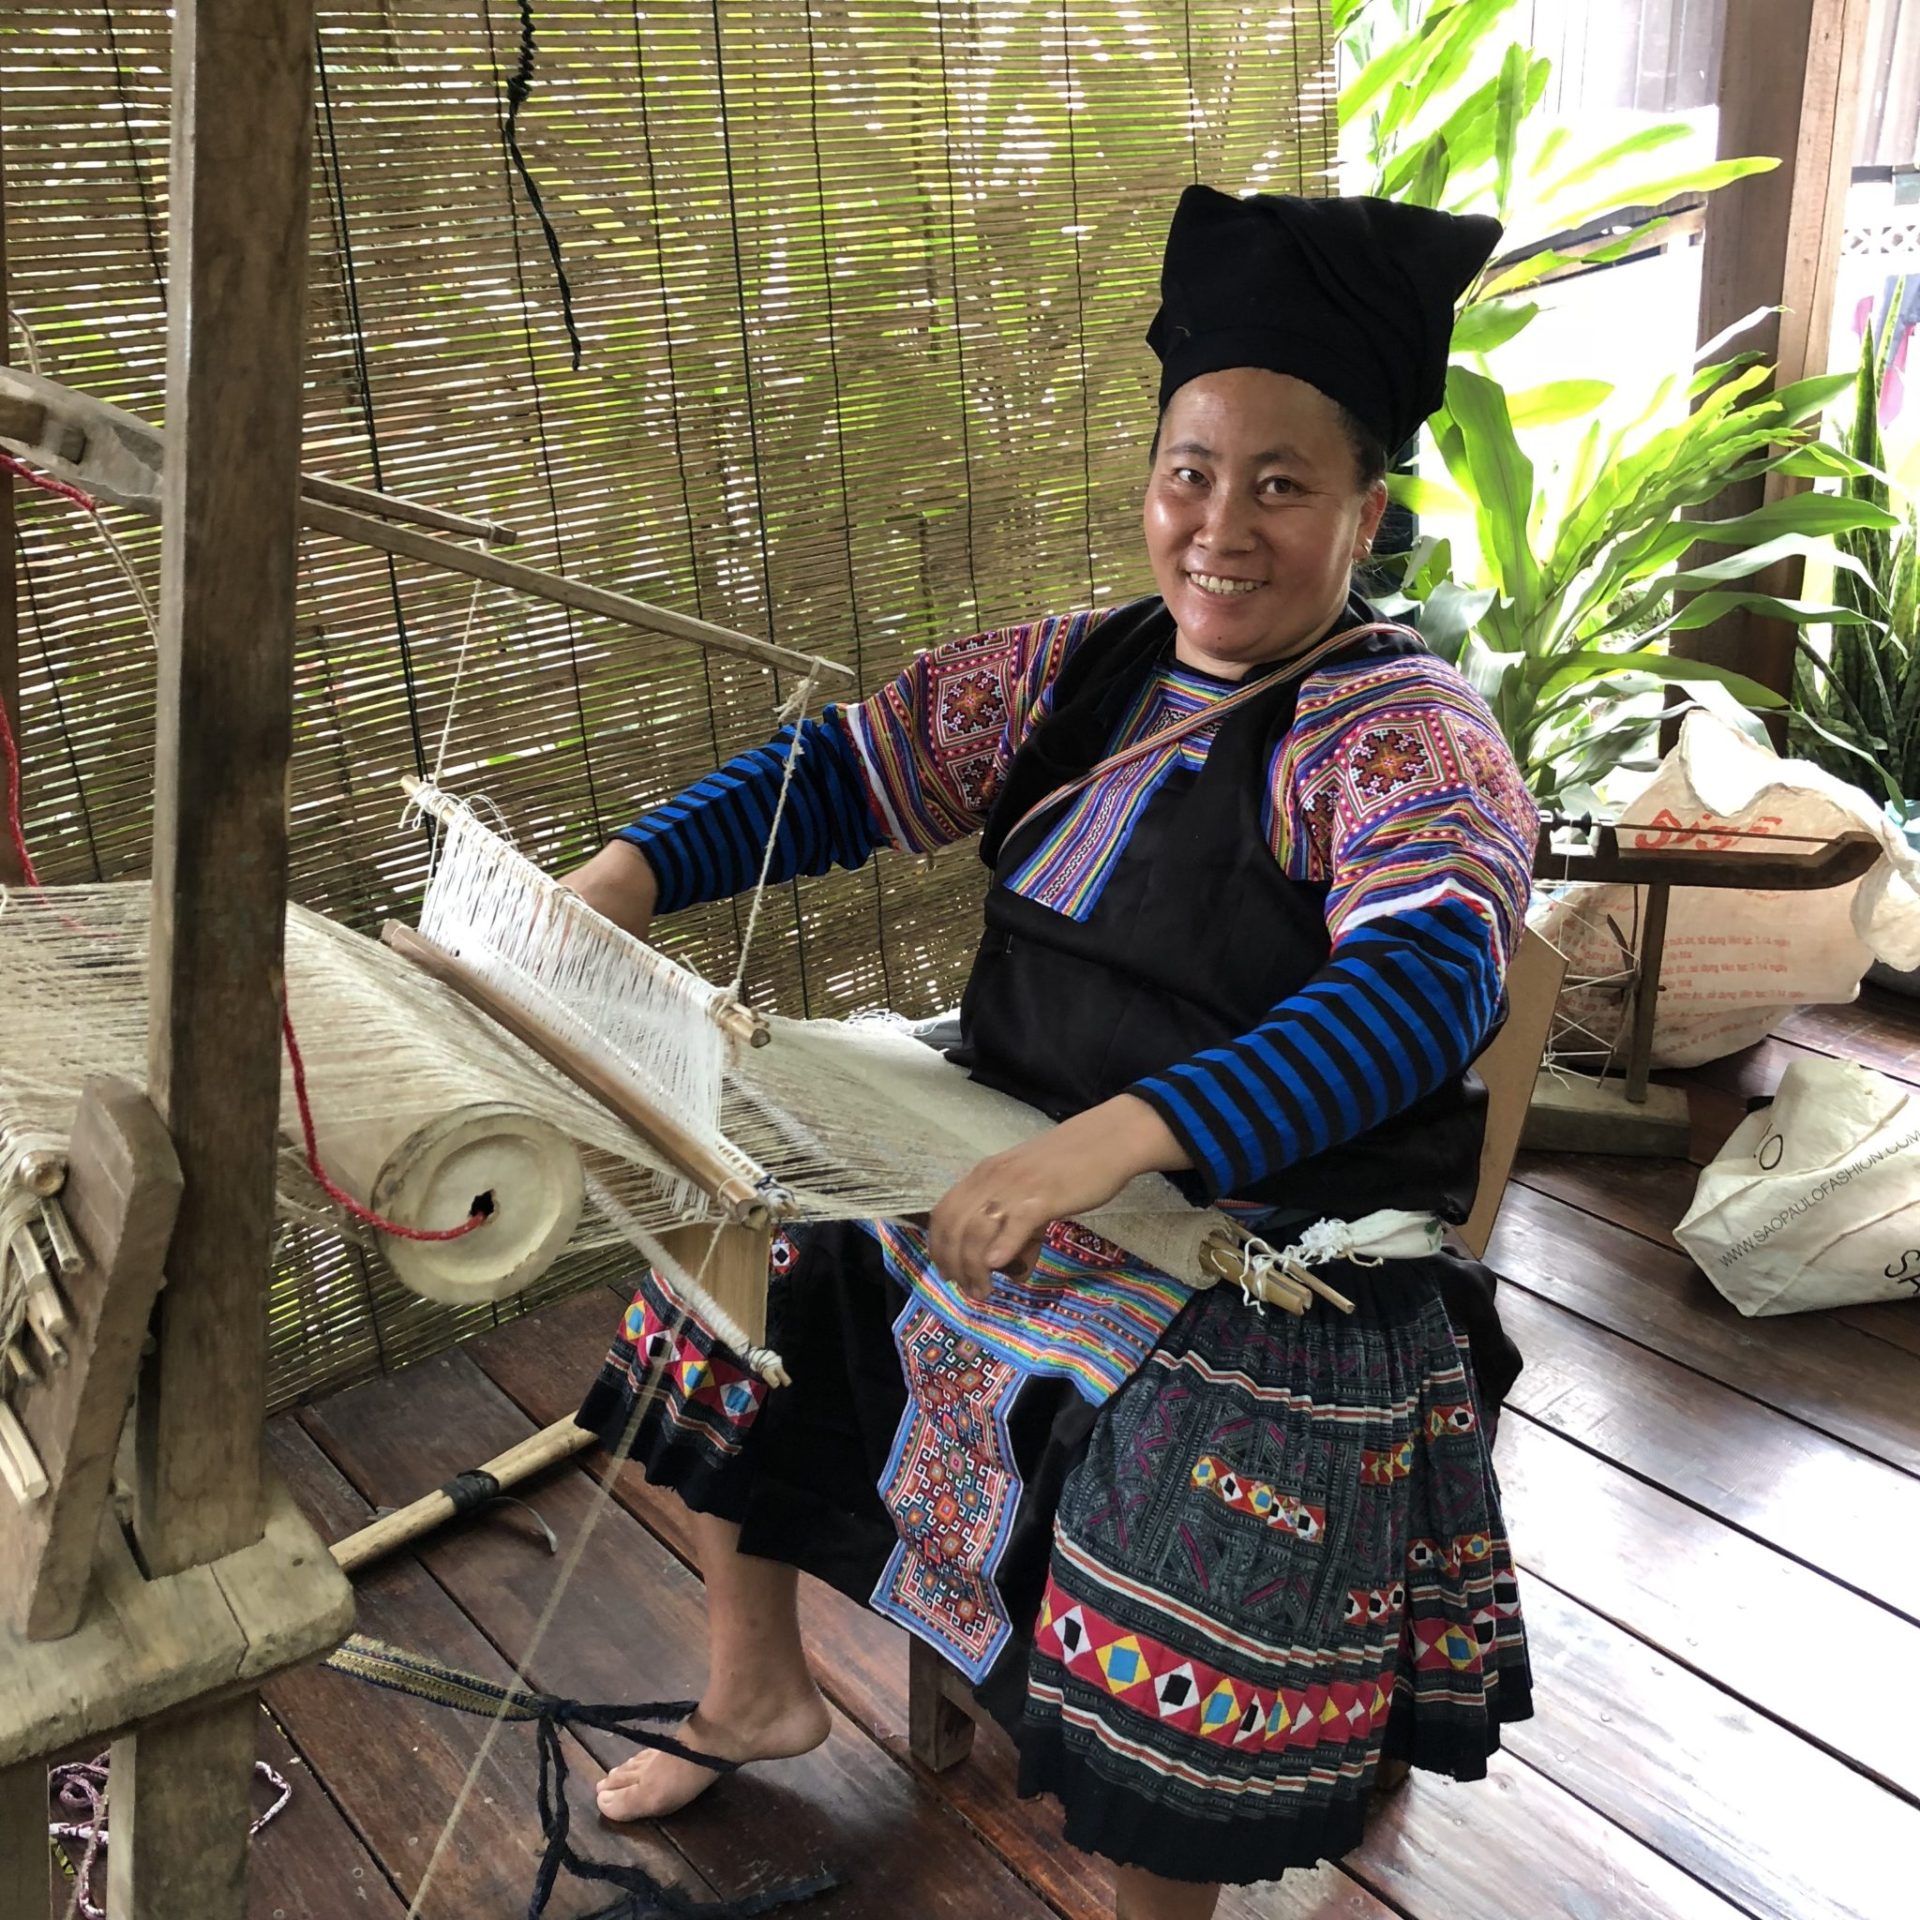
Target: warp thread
384,1665
16,835
9,747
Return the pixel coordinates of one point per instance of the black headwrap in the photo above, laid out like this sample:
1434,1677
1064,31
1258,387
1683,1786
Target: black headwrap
1354,296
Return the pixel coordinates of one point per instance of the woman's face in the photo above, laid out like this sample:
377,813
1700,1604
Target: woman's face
1254,517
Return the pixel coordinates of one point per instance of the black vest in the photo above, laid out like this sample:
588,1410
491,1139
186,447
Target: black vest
1196,935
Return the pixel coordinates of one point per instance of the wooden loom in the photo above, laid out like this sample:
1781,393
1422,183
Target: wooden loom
157,1639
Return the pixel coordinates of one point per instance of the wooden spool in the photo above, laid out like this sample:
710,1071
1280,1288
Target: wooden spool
501,1158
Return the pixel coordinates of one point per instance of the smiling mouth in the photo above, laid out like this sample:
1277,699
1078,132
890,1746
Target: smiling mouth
1220,583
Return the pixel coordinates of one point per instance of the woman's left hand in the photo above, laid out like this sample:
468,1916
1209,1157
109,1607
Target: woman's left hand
994,1220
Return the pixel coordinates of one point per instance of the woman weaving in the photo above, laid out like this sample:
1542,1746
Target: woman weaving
1212,1566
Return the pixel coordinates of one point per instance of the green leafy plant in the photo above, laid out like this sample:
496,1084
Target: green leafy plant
1561,612
1582,573
1443,109
1856,707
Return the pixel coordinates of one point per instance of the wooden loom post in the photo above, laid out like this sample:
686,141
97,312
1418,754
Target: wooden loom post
25,1864
10,874
237,260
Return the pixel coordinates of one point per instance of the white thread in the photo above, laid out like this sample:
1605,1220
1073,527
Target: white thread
459,673
797,707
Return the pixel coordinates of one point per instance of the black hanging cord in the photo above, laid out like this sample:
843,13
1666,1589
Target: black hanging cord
519,88
363,381
147,219
643,1897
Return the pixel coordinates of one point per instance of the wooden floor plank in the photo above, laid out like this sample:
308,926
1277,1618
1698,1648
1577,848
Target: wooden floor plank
1722,1604
1472,1837
1786,1831
395,1764
1881,1030
310,1864
1813,1366
1648,1197
1645,1196
1515,1846
1825,1503
632,1631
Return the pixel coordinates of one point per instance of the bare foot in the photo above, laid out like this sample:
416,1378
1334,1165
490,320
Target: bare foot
652,1785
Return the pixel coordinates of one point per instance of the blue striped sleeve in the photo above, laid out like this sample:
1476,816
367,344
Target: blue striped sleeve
707,843
1399,1011
1395,790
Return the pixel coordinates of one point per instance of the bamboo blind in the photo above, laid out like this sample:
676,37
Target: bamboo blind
861,290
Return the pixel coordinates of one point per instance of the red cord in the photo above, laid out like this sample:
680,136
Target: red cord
338,1194
46,482
16,833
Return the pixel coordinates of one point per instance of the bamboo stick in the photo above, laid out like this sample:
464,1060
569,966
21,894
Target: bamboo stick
41,1173
20,1465
393,506
563,592
130,455
689,1156
67,1257
46,1311
561,1441
1306,1277
1223,1259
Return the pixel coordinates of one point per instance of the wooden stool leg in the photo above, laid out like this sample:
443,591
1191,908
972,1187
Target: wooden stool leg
181,1803
25,1863
939,1732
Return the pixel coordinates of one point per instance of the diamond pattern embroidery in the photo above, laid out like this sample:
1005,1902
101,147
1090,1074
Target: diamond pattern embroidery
1213,1475
1188,1696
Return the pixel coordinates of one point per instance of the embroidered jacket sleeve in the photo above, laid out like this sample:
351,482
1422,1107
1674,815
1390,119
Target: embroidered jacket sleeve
1396,790
914,767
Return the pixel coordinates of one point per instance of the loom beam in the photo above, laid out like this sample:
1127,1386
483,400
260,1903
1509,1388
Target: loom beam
737,1199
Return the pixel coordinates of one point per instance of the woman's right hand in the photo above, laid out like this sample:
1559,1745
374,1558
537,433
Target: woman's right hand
619,883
